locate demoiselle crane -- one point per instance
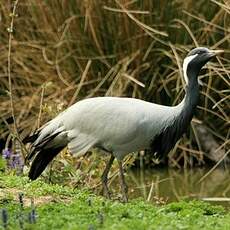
(119, 126)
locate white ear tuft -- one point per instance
(187, 60)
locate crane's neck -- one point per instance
(187, 106)
(191, 95)
(191, 91)
(171, 133)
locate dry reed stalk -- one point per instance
(10, 31)
(55, 39)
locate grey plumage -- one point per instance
(119, 125)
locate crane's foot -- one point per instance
(124, 193)
(104, 178)
(106, 191)
(124, 187)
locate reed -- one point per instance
(63, 51)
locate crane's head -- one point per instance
(196, 59)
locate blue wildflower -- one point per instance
(6, 153)
(4, 218)
(17, 163)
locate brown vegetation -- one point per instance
(62, 51)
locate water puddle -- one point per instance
(167, 185)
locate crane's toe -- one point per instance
(124, 193)
(106, 191)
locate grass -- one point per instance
(56, 53)
(59, 207)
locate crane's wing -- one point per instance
(115, 124)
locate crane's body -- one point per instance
(119, 125)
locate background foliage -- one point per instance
(63, 51)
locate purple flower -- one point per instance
(4, 218)
(17, 163)
(14, 160)
(32, 216)
(20, 196)
(6, 153)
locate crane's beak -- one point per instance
(211, 54)
(216, 52)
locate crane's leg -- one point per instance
(104, 177)
(124, 187)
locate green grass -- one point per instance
(64, 51)
(64, 208)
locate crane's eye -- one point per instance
(200, 52)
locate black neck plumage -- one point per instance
(165, 141)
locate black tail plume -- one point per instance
(38, 147)
(42, 159)
(31, 138)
